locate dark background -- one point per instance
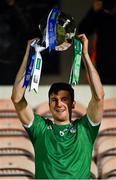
(19, 20)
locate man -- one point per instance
(63, 149)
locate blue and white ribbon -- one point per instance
(34, 64)
(36, 73)
(29, 67)
(51, 28)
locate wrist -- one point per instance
(85, 53)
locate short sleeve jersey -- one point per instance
(62, 151)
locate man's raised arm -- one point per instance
(95, 107)
(24, 111)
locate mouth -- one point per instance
(59, 110)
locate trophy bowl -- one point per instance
(65, 30)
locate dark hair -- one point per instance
(55, 87)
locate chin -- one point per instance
(61, 118)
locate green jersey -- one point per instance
(62, 151)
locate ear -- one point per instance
(73, 104)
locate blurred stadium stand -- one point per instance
(16, 151)
(17, 154)
(19, 20)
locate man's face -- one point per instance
(61, 105)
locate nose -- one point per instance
(59, 103)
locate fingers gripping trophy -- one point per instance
(58, 33)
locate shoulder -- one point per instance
(86, 126)
(85, 119)
(38, 121)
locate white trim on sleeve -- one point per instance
(91, 122)
(28, 125)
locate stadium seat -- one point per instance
(16, 145)
(94, 170)
(16, 166)
(109, 167)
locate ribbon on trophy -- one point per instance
(36, 72)
(51, 26)
(75, 70)
(29, 67)
(34, 64)
(58, 33)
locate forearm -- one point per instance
(95, 106)
(18, 89)
(23, 109)
(93, 78)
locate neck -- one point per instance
(61, 122)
